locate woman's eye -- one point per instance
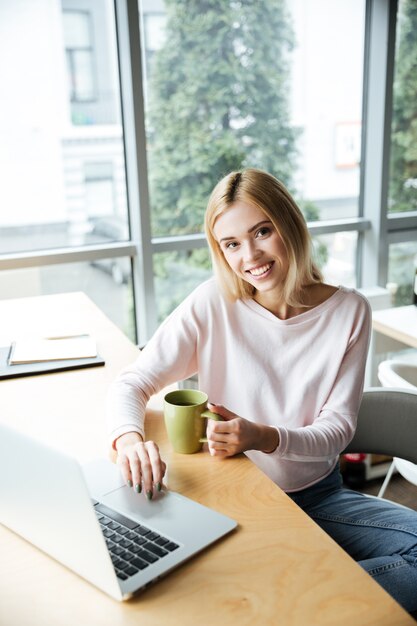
(263, 231)
(231, 245)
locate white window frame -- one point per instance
(376, 230)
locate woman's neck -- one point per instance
(312, 296)
(277, 306)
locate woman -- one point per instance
(282, 356)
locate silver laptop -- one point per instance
(89, 520)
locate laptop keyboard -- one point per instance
(132, 546)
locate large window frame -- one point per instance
(375, 227)
(373, 253)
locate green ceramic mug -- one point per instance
(185, 411)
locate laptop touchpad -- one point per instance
(132, 504)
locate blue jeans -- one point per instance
(379, 535)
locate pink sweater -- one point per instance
(303, 375)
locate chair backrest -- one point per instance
(395, 373)
(387, 423)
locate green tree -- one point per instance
(403, 166)
(218, 101)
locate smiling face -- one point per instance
(259, 241)
(252, 248)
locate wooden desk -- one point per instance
(277, 568)
(399, 323)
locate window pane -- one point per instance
(83, 81)
(336, 257)
(402, 193)
(275, 85)
(401, 271)
(76, 25)
(107, 282)
(176, 275)
(48, 144)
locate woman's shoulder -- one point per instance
(204, 297)
(194, 309)
(207, 290)
(355, 296)
(330, 297)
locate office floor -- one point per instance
(399, 490)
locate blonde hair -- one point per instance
(265, 192)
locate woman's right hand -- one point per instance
(140, 463)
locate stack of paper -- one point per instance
(52, 349)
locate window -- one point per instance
(176, 277)
(402, 187)
(109, 288)
(273, 85)
(336, 255)
(116, 208)
(403, 164)
(80, 55)
(401, 271)
(99, 185)
(63, 183)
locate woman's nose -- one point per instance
(251, 252)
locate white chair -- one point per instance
(400, 375)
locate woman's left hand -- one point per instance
(236, 434)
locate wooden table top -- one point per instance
(399, 323)
(278, 567)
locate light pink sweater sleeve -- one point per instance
(335, 424)
(170, 356)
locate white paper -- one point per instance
(52, 349)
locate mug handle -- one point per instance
(213, 416)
